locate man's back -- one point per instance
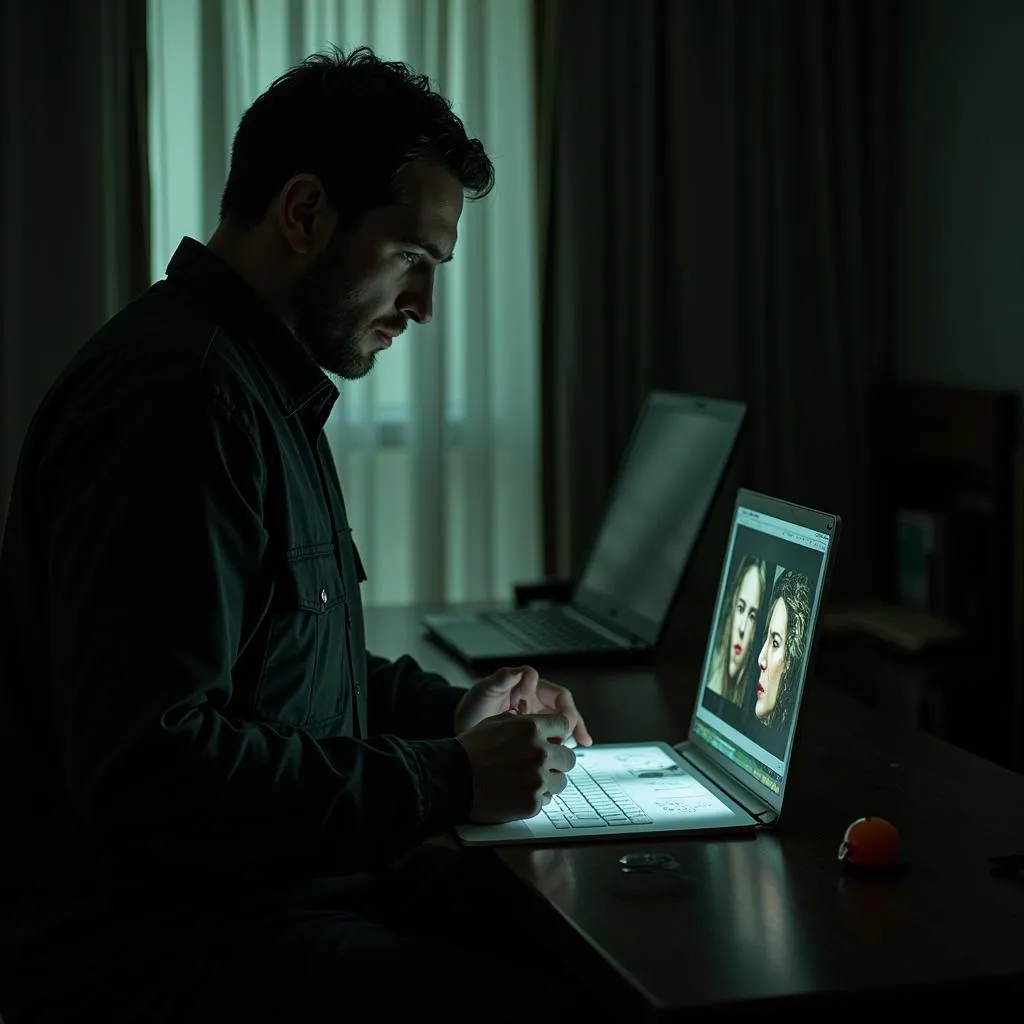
(182, 592)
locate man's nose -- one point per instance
(417, 304)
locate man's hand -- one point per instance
(523, 691)
(519, 762)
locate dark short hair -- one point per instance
(353, 121)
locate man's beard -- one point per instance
(331, 336)
(329, 319)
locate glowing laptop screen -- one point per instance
(756, 660)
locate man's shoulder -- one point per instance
(164, 346)
(166, 333)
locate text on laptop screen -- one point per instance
(756, 660)
(661, 499)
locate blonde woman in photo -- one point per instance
(736, 629)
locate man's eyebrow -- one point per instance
(433, 251)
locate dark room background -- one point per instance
(799, 204)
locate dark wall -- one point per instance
(960, 289)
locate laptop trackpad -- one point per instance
(473, 636)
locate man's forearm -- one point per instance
(211, 794)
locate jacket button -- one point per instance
(323, 596)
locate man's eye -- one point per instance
(411, 258)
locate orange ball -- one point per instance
(870, 843)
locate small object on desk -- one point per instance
(871, 846)
(648, 861)
(650, 875)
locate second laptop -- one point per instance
(672, 470)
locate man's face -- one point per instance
(375, 277)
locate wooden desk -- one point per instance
(771, 922)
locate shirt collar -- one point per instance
(299, 384)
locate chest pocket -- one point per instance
(304, 679)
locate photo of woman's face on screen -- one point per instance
(737, 628)
(782, 652)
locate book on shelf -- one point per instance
(921, 562)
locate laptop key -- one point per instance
(585, 816)
(639, 819)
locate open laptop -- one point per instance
(669, 477)
(730, 773)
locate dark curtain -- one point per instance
(716, 196)
(73, 187)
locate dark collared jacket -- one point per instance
(185, 694)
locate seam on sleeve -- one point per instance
(231, 412)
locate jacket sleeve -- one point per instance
(405, 700)
(156, 550)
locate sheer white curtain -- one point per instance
(437, 448)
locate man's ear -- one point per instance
(305, 218)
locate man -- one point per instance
(214, 799)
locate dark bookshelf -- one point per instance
(950, 454)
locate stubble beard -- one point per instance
(332, 329)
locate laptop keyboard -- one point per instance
(548, 629)
(593, 800)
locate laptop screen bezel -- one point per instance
(601, 607)
(797, 515)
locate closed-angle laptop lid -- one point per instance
(774, 579)
(670, 474)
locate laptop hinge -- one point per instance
(757, 808)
